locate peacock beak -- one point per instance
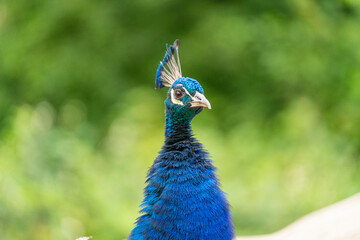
(199, 100)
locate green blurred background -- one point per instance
(81, 122)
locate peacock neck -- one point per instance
(183, 191)
(177, 125)
(182, 197)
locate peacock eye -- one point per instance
(178, 93)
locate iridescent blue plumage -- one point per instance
(182, 197)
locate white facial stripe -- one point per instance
(187, 93)
(174, 100)
(179, 102)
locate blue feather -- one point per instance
(158, 83)
(183, 199)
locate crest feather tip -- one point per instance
(176, 43)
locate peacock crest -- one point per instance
(169, 69)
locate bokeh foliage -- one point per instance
(81, 121)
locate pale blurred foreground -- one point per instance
(340, 221)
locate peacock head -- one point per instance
(186, 96)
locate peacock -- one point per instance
(183, 199)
